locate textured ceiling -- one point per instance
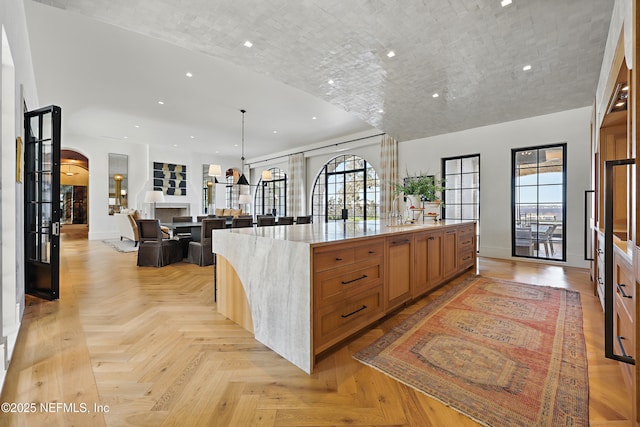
(470, 52)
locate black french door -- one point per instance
(42, 202)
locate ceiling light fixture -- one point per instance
(330, 82)
(243, 179)
(161, 102)
(381, 111)
(526, 68)
(189, 74)
(435, 95)
(275, 131)
(506, 2)
(625, 88)
(248, 44)
(137, 126)
(314, 118)
(391, 54)
(69, 173)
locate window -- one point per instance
(232, 190)
(271, 196)
(539, 202)
(462, 187)
(346, 182)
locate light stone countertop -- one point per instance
(315, 234)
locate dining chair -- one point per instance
(242, 222)
(524, 241)
(182, 231)
(544, 239)
(200, 251)
(154, 250)
(303, 219)
(285, 220)
(265, 220)
(201, 217)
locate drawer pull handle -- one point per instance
(344, 316)
(621, 290)
(432, 238)
(466, 258)
(451, 232)
(401, 242)
(466, 242)
(364, 276)
(372, 252)
(338, 259)
(624, 353)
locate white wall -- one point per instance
(141, 158)
(494, 144)
(12, 19)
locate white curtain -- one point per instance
(389, 173)
(296, 194)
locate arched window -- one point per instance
(271, 196)
(346, 182)
(232, 192)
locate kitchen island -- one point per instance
(302, 289)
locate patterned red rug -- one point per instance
(499, 352)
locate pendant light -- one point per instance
(243, 179)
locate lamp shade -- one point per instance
(153, 196)
(266, 175)
(215, 170)
(244, 199)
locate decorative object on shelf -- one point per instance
(243, 179)
(170, 178)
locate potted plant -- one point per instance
(425, 187)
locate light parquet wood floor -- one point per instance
(148, 345)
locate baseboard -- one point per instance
(6, 352)
(103, 235)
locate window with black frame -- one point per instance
(539, 202)
(271, 196)
(346, 184)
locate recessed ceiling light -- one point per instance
(235, 145)
(435, 95)
(381, 111)
(505, 3)
(175, 145)
(161, 102)
(192, 137)
(391, 54)
(526, 68)
(137, 126)
(125, 137)
(620, 104)
(189, 75)
(314, 118)
(625, 88)
(248, 44)
(275, 131)
(330, 82)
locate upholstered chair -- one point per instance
(200, 251)
(155, 251)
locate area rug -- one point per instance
(502, 353)
(124, 245)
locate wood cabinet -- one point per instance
(428, 261)
(348, 292)
(624, 293)
(357, 282)
(399, 270)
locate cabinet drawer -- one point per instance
(366, 252)
(625, 331)
(332, 258)
(333, 285)
(466, 257)
(624, 285)
(349, 316)
(465, 231)
(465, 242)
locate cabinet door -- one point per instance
(428, 261)
(399, 271)
(450, 253)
